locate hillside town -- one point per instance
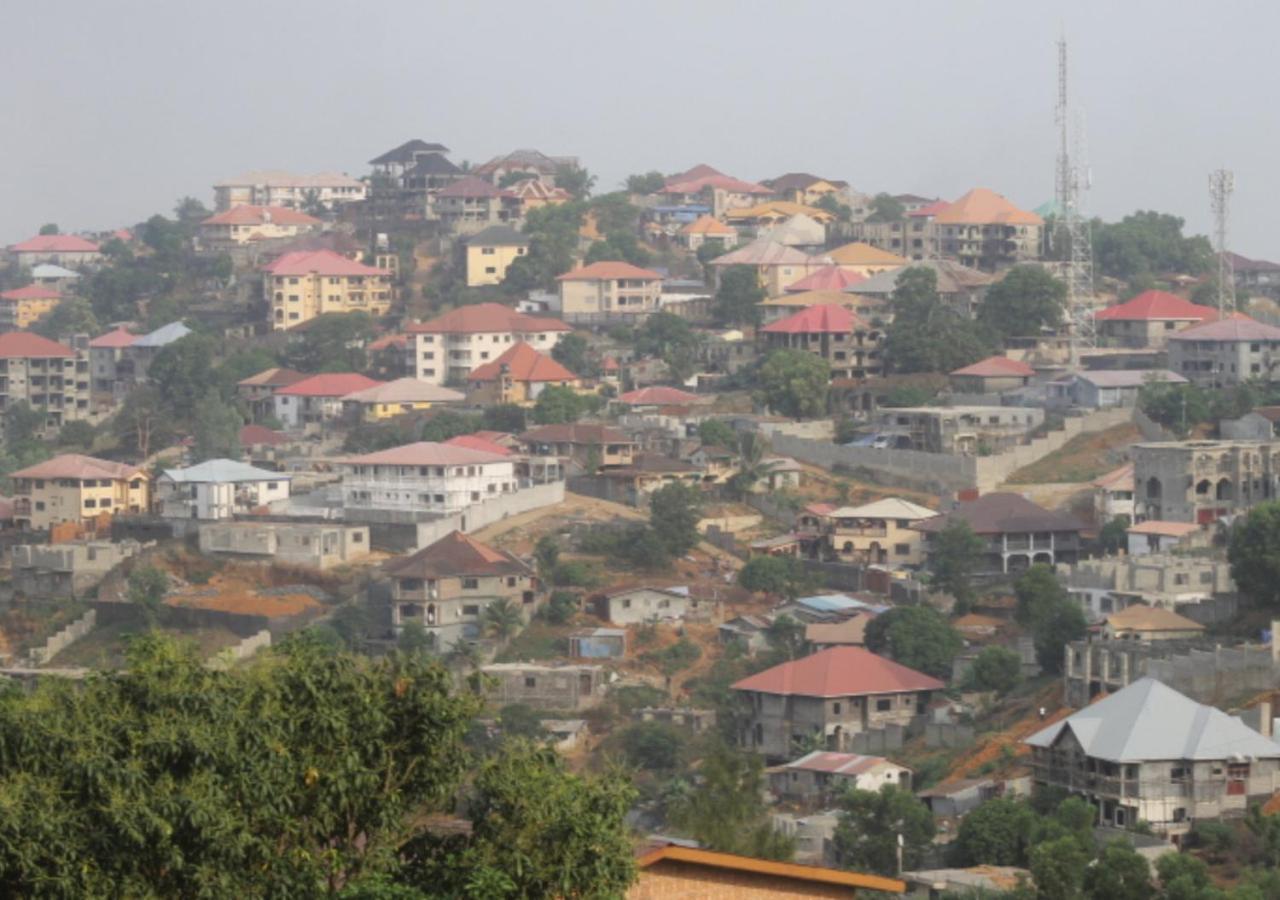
(839, 539)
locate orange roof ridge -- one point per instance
(523, 363)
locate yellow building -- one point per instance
(801, 187)
(75, 488)
(866, 260)
(775, 212)
(517, 376)
(491, 251)
(395, 398)
(878, 533)
(777, 265)
(300, 286)
(605, 291)
(23, 307)
(245, 223)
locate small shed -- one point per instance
(598, 643)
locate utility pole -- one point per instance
(1071, 229)
(1222, 184)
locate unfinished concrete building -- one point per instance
(317, 545)
(545, 686)
(1182, 584)
(961, 430)
(1202, 481)
(1149, 754)
(63, 571)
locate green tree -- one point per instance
(953, 558)
(147, 588)
(1254, 554)
(553, 243)
(829, 203)
(557, 405)
(520, 721)
(738, 297)
(501, 619)
(333, 342)
(415, 639)
(1148, 243)
(781, 576)
(752, 465)
(574, 353)
(886, 208)
(919, 637)
(1037, 590)
(671, 339)
(927, 335)
(620, 245)
(576, 180)
(648, 183)
(504, 417)
(786, 637)
(1120, 873)
(997, 669)
(560, 607)
(181, 372)
(72, 316)
(1058, 867)
(215, 430)
(1185, 877)
(49, 228)
(717, 433)
(997, 833)
(653, 746)
(674, 511)
(1052, 616)
(795, 383)
(1026, 300)
(725, 811)
(1114, 536)
(78, 433)
(142, 424)
(1178, 407)
(546, 553)
(870, 823)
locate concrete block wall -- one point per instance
(243, 650)
(63, 639)
(991, 471)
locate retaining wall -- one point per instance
(38, 656)
(243, 650)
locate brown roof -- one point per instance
(246, 214)
(76, 466)
(996, 367)
(745, 866)
(983, 206)
(523, 363)
(1151, 618)
(1165, 529)
(273, 378)
(456, 554)
(610, 270)
(839, 672)
(851, 631)
(1002, 512)
(652, 463)
(425, 453)
(577, 433)
(25, 345)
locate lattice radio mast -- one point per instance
(1222, 183)
(1072, 229)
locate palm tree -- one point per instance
(751, 463)
(464, 655)
(501, 619)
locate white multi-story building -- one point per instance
(276, 188)
(217, 489)
(448, 348)
(426, 477)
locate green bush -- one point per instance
(680, 655)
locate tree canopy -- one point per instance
(795, 383)
(919, 637)
(738, 297)
(1254, 554)
(674, 511)
(1052, 616)
(927, 335)
(866, 837)
(1147, 243)
(671, 339)
(953, 558)
(1026, 300)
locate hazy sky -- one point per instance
(112, 110)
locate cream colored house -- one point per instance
(450, 347)
(49, 377)
(302, 285)
(395, 398)
(778, 265)
(865, 260)
(491, 251)
(878, 533)
(22, 307)
(75, 488)
(242, 224)
(272, 187)
(606, 291)
(1150, 623)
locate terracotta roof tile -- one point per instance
(246, 214)
(708, 225)
(260, 435)
(1228, 330)
(276, 377)
(610, 270)
(982, 206)
(995, 367)
(1151, 618)
(319, 262)
(455, 555)
(56, 243)
(659, 395)
(860, 254)
(828, 278)
(839, 672)
(487, 318)
(25, 345)
(425, 453)
(77, 466)
(120, 337)
(1156, 305)
(478, 442)
(333, 384)
(825, 319)
(523, 364)
(32, 292)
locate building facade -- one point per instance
(609, 291)
(76, 488)
(425, 478)
(217, 489)
(51, 378)
(491, 252)
(299, 286)
(450, 347)
(1202, 481)
(275, 188)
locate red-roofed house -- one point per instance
(992, 375)
(829, 696)
(425, 477)
(1149, 319)
(302, 285)
(1225, 353)
(50, 378)
(106, 353)
(479, 441)
(660, 395)
(703, 185)
(605, 291)
(245, 223)
(65, 250)
(451, 346)
(984, 230)
(317, 398)
(517, 376)
(472, 204)
(23, 307)
(706, 230)
(259, 391)
(850, 346)
(827, 278)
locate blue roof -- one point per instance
(163, 336)
(222, 471)
(832, 602)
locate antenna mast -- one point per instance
(1072, 229)
(1222, 184)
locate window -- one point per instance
(104, 503)
(470, 584)
(835, 708)
(530, 681)
(902, 549)
(90, 503)
(490, 270)
(487, 251)
(511, 581)
(884, 705)
(471, 610)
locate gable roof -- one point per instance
(162, 336)
(407, 152)
(470, 187)
(245, 214)
(995, 367)
(1156, 306)
(659, 395)
(484, 318)
(858, 253)
(839, 672)
(115, 339)
(1151, 618)
(49, 270)
(689, 856)
(318, 262)
(523, 363)
(431, 164)
(701, 177)
(32, 292)
(774, 208)
(1228, 330)
(425, 453)
(56, 243)
(78, 466)
(1148, 720)
(951, 277)
(800, 181)
(405, 390)
(1118, 479)
(1121, 378)
(835, 763)
(1002, 512)
(983, 206)
(827, 278)
(329, 384)
(478, 441)
(454, 555)
(526, 158)
(708, 225)
(765, 252)
(852, 631)
(260, 435)
(275, 377)
(576, 433)
(609, 270)
(1163, 528)
(498, 236)
(25, 345)
(822, 319)
(221, 471)
(888, 508)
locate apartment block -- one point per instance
(302, 285)
(450, 347)
(1202, 481)
(76, 488)
(49, 377)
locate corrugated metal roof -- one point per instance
(221, 471)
